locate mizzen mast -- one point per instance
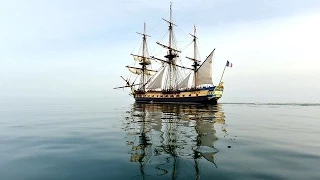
(194, 59)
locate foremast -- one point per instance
(144, 61)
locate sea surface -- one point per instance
(109, 138)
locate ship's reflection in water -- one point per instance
(172, 140)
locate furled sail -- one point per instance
(142, 59)
(157, 82)
(204, 72)
(139, 71)
(185, 82)
(149, 72)
(134, 70)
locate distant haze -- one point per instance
(79, 48)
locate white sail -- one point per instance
(141, 59)
(185, 82)
(204, 72)
(157, 82)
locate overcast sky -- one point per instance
(78, 48)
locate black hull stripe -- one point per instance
(202, 99)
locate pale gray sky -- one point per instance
(79, 48)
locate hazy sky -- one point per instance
(78, 48)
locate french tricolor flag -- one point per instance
(229, 64)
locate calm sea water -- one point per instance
(102, 138)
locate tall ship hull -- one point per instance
(173, 81)
(204, 96)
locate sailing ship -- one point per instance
(167, 85)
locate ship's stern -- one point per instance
(215, 93)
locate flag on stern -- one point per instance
(229, 64)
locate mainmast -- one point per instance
(171, 81)
(171, 54)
